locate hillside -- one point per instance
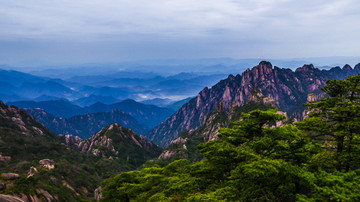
(36, 164)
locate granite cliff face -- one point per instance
(193, 113)
(185, 146)
(288, 88)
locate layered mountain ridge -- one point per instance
(288, 88)
(148, 115)
(88, 124)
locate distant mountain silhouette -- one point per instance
(88, 124)
(148, 115)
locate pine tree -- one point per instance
(336, 121)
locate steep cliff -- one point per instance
(185, 146)
(193, 113)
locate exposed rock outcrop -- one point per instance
(310, 98)
(73, 141)
(258, 97)
(98, 193)
(32, 171)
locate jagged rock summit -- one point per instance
(117, 142)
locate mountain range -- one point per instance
(86, 125)
(55, 150)
(287, 87)
(147, 115)
(85, 90)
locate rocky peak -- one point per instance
(357, 67)
(307, 68)
(347, 68)
(265, 64)
(116, 141)
(259, 72)
(231, 77)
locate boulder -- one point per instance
(5, 159)
(47, 163)
(10, 198)
(10, 176)
(46, 194)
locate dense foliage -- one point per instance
(81, 172)
(316, 160)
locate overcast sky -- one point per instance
(79, 31)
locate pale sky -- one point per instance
(80, 31)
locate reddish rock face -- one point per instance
(288, 88)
